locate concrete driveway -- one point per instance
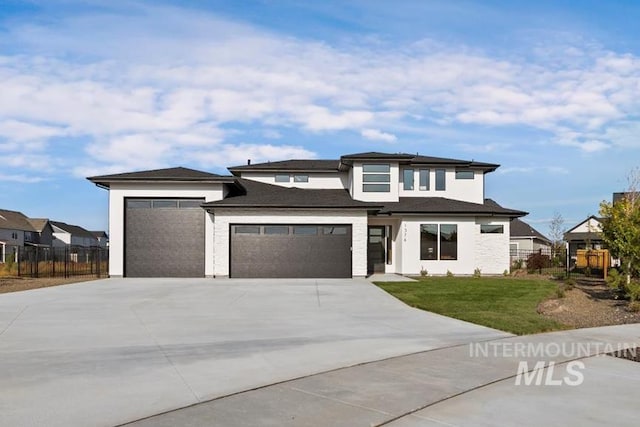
(112, 351)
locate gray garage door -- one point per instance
(284, 250)
(164, 238)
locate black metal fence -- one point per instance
(540, 261)
(34, 261)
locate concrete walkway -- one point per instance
(457, 386)
(112, 351)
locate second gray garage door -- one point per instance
(290, 251)
(164, 238)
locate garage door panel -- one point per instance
(164, 242)
(290, 255)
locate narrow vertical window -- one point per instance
(407, 178)
(448, 242)
(441, 179)
(424, 180)
(428, 241)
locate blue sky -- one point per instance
(548, 89)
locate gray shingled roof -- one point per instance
(441, 205)
(253, 194)
(38, 223)
(521, 229)
(418, 159)
(291, 165)
(169, 174)
(74, 230)
(14, 220)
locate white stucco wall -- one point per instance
(489, 252)
(337, 180)
(119, 191)
(225, 217)
(358, 194)
(468, 190)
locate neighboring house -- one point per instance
(67, 235)
(524, 237)
(15, 232)
(362, 213)
(102, 238)
(43, 232)
(586, 235)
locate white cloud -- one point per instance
(186, 89)
(533, 169)
(378, 135)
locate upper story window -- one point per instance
(441, 181)
(301, 178)
(376, 178)
(424, 180)
(464, 174)
(407, 179)
(283, 177)
(491, 229)
(28, 237)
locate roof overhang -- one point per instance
(106, 183)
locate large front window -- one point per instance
(376, 178)
(438, 242)
(424, 180)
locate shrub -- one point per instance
(477, 273)
(449, 273)
(423, 272)
(538, 261)
(634, 306)
(618, 281)
(517, 264)
(560, 292)
(505, 273)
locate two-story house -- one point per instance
(15, 231)
(362, 213)
(69, 235)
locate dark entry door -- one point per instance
(290, 251)
(376, 251)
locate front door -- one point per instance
(376, 251)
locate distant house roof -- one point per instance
(253, 194)
(100, 234)
(592, 217)
(14, 220)
(178, 174)
(74, 230)
(290, 166)
(38, 223)
(520, 229)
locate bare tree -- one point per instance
(557, 230)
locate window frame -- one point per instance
(441, 179)
(424, 172)
(433, 257)
(484, 227)
(442, 241)
(301, 178)
(465, 174)
(378, 170)
(408, 173)
(280, 177)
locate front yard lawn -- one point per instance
(502, 303)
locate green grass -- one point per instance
(502, 303)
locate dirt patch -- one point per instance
(15, 284)
(589, 306)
